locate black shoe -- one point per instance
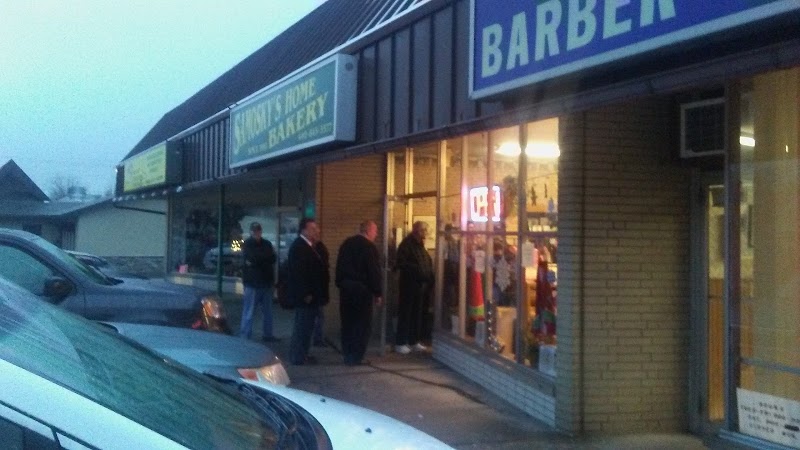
(350, 362)
(270, 339)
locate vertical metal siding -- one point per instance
(421, 75)
(366, 95)
(402, 83)
(465, 108)
(384, 90)
(205, 153)
(442, 67)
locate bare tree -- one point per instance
(62, 187)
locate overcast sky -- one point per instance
(82, 81)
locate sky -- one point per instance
(82, 81)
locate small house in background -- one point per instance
(132, 236)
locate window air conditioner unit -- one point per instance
(703, 128)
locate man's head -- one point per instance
(369, 229)
(309, 229)
(420, 231)
(448, 231)
(255, 230)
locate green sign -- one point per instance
(307, 110)
(146, 169)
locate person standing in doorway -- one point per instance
(358, 278)
(416, 280)
(258, 276)
(307, 289)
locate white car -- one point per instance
(66, 382)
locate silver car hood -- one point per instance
(202, 351)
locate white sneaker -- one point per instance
(402, 349)
(419, 347)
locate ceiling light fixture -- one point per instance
(542, 150)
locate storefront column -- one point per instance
(732, 298)
(220, 223)
(522, 229)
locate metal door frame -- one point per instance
(699, 312)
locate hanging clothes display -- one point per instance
(544, 326)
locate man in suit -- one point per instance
(358, 277)
(307, 288)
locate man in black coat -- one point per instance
(416, 280)
(307, 288)
(258, 275)
(358, 278)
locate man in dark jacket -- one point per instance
(258, 277)
(358, 278)
(307, 288)
(416, 279)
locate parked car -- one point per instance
(103, 265)
(68, 383)
(232, 259)
(47, 271)
(212, 354)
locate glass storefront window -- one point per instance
(540, 246)
(496, 243)
(194, 245)
(450, 196)
(475, 187)
(505, 175)
(769, 261)
(499, 274)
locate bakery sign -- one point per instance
(514, 43)
(314, 107)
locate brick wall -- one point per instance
(348, 192)
(623, 272)
(531, 393)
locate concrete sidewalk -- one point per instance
(421, 392)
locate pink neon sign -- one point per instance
(479, 204)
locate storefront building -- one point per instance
(613, 189)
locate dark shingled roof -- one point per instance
(333, 23)
(16, 184)
(30, 208)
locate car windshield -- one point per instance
(69, 260)
(190, 409)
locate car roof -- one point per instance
(88, 255)
(18, 233)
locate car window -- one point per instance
(186, 407)
(23, 269)
(68, 260)
(14, 436)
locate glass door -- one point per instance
(410, 197)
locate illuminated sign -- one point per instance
(479, 204)
(314, 107)
(514, 43)
(156, 166)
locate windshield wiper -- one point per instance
(278, 413)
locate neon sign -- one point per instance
(479, 204)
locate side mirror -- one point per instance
(57, 288)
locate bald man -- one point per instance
(358, 277)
